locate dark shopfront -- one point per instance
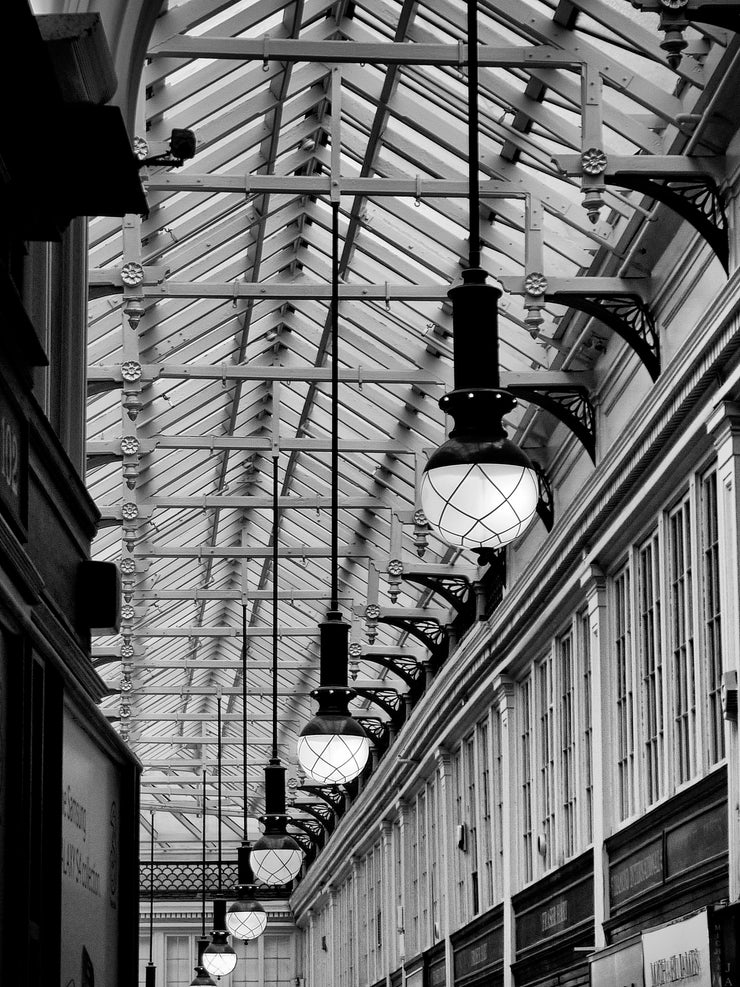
(668, 885)
(555, 927)
(671, 862)
(478, 951)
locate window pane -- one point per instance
(567, 744)
(586, 721)
(623, 668)
(682, 644)
(178, 970)
(547, 758)
(651, 668)
(525, 773)
(711, 616)
(279, 967)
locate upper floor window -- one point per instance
(667, 673)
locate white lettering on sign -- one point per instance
(556, 914)
(74, 811)
(79, 869)
(671, 969)
(677, 954)
(9, 455)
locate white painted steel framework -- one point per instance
(209, 324)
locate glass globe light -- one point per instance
(202, 978)
(246, 918)
(479, 489)
(219, 958)
(333, 748)
(480, 505)
(276, 858)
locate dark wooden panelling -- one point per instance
(478, 950)
(671, 861)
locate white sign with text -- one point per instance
(677, 955)
(90, 861)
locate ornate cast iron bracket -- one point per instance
(389, 701)
(628, 315)
(333, 795)
(375, 728)
(314, 830)
(696, 199)
(454, 589)
(545, 507)
(569, 404)
(427, 630)
(405, 667)
(688, 185)
(304, 841)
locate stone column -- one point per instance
(594, 585)
(388, 905)
(503, 698)
(445, 863)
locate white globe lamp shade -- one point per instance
(480, 504)
(333, 752)
(274, 860)
(219, 958)
(246, 919)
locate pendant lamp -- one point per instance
(276, 857)
(333, 747)
(150, 971)
(246, 918)
(479, 489)
(202, 977)
(219, 958)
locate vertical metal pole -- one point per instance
(473, 145)
(274, 606)
(244, 711)
(218, 748)
(151, 970)
(203, 863)
(335, 406)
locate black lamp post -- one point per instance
(219, 958)
(202, 978)
(333, 747)
(479, 489)
(246, 918)
(276, 857)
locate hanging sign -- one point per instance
(90, 859)
(13, 462)
(677, 955)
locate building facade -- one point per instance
(569, 782)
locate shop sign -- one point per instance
(677, 955)
(618, 966)
(482, 953)
(90, 859)
(13, 461)
(438, 973)
(636, 873)
(556, 915)
(696, 840)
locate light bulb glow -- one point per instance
(246, 922)
(480, 505)
(219, 959)
(275, 866)
(333, 758)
